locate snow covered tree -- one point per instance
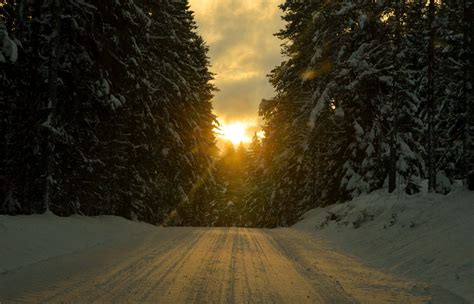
(114, 115)
(365, 89)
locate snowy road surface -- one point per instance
(207, 265)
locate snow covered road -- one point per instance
(208, 265)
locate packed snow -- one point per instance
(377, 248)
(192, 265)
(8, 48)
(427, 237)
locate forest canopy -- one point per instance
(105, 109)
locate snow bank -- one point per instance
(29, 239)
(8, 48)
(427, 237)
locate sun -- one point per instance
(235, 132)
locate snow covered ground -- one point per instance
(209, 265)
(25, 240)
(375, 249)
(427, 237)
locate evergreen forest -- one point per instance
(106, 109)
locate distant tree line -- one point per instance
(232, 168)
(105, 108)
(372, 95)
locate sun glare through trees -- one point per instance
(238, 132)
(235, 132)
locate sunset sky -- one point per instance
(243, 51)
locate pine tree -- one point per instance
(117, 117)
(364, 90)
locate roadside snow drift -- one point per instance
(427, 237)
(29, 239)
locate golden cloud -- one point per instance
(243, 50)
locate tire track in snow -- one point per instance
(208, 265)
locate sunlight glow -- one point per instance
(309, 75)
(235, 132)
(260, 134)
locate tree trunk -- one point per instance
(392, 171)
(21, 15)
(468, 111)
(430, 99)
(55, 6)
